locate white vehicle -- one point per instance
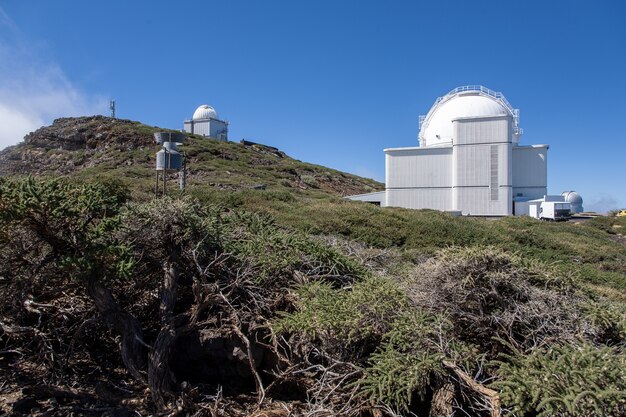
(554, 211)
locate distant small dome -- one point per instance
(574, 199)
(204, 112)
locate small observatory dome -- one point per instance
(575, 200)
(204, 112)
(468, 101)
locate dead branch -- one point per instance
(477, 387)
(237, 329)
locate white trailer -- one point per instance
(554, 211)
(550, 207)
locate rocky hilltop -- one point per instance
(53, 148)
(125, 149)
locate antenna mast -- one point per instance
(112, 108)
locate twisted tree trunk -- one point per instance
(122, 322)
(159, 375)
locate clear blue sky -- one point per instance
(330, 82)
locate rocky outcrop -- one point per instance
(97, 132)
(72, 143)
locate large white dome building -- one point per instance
(436, 128)
(205, 122)
(469, 159)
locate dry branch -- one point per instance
(477, 387)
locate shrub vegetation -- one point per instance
(229, 300)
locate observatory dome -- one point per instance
(574, 199)
(469, 101)
(204, 112)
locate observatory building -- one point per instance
(205, 122)
(469, 159)
(574, 199)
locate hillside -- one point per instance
(231, 300)
(125, 151)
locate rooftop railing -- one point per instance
(482, 89)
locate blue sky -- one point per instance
(329, 82)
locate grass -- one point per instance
(585, 250)
(438, 288)
(307, 197)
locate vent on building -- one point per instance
(494, 173)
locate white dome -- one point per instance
(469, 101)
(575, 200)
(205, 112)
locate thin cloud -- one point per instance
(6, 22)
(33, 91)
(602, 204)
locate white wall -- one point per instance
(479, 174)
(476, 130)
(211, 128)
(530, 171)
(420, 198)
(419, 178)
(414, 167)
(201, 127)
(482, 166)
(522, 208)
(216, 127)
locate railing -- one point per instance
(495, 94)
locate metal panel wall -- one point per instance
(472, 166)
(216, 127)
(482, 166)
(419, 178)
(532, 193)
(482, 130)
(420, 198)
(530, 171)
(477, 201)
(201, 127)
(412, 167)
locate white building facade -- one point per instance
(205, 122)
(469, 159)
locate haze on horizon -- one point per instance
(331, 83)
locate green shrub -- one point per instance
(344, 316)
(310, 180)
(276, 253)
(408, 360)
(565, 380)
(608, 319)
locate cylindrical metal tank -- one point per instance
(575, 200)
(169, 159)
